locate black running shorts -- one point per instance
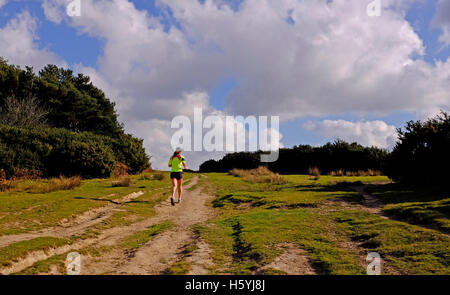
(176, 175)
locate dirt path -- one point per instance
(293, 261)
(160, 253)
(68, 228)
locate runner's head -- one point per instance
(176, 153)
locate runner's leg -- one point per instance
(180, 189)
(174, 187)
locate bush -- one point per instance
(120, 169)
(159, 176)
(124, 181)
(55, 152)
(327, 158)
(8, 185)
(422, 153)
(314, 173)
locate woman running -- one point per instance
(177, 163)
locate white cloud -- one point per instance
(442, 20)
(333, 59)
(18, 41)
(2, 3)
(367, 133)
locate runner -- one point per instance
(177, 162)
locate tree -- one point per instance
(23, 112)
(422, 152)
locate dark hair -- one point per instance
(176, 153)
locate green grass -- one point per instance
(411, 249)
(420, 205)
(138, 239)
(255, 218)
(12, 252)
(24, 211)
(179, 268)
(44, 266)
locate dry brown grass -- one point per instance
(55, 184)
(8, 185)
(259, 175)
(124, 181)
(314, 173)
(369, 172)
(152, 176)
(120, 170)
(159, 176)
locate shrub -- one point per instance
(8, 185)
(2, 175)
(120, 169)
(124, 181)
(26, 174)
(159, 176)
(54, 152)
(421, 154)
(145, 176)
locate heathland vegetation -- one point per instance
(420, 156)
(65, 185)
(55, 123)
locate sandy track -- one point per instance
(108, 237)
(68, 228)
(165, 249)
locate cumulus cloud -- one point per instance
(442, 20)
(367, 133)
(19, 45)
(2, 2)
(329, 58)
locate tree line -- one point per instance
(61, 124)
(421, 155)
(299, 159)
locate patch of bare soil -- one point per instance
(77, 225)
(371, 203)
(201, 259)
(166, 248)
(293, 261)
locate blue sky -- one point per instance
(78, 49)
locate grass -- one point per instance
(55, 184)
(12, 252)
(123, 181)
(369, 172)
(181, 267)
(138, 239)
(420, 205)
(256, 217)
(24, 211)
(411, 249)
(259, 175)
(45, 266)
